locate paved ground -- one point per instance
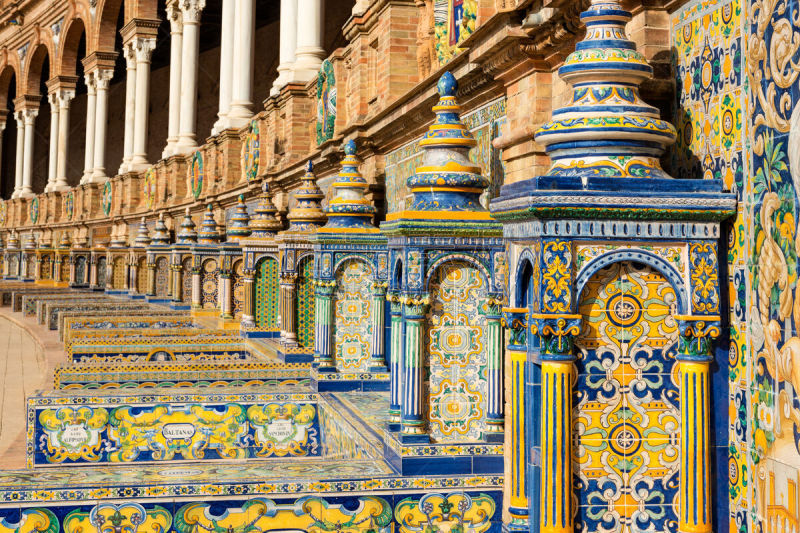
(28, 355)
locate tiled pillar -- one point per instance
(494, 373)
(248, 309)
(555, 334)
(57, 268)
(197, 297)
(414, 424)
(695, 357)
(72, 273)
(177, 282)
(396, 360)
(225, 295)
(323, 325)
(378, 363)
(515, 320)
(151, 278)
(288, 319)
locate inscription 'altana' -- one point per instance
(178, 431)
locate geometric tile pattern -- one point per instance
(457, 353)
(118, 277)
(186, 285)
(237, 288)
(208, 284)
(141, 276)
(353, 317)
(305, 303)
(626, 404)
(266, 300)
(162, 277)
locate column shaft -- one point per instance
(396, 361)
(197, 297)
(241, 107)
(27, 168)
(52, 162)
(378, 363)
(20, 156)
(413, 417)
(151, 279)
(175, 53)
(130, 106)
(556, 414)
(91, 108)
(226, 305)
(323, 333)
(191, 10)
(248, 309)
(288, 43)
(226, 64)
(494, 373)
(144, 48)
(309, 52)
(101, 121)
(64, 99)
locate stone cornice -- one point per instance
(139, 27)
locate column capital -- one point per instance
(697, 333)
(90, 80)
(103, 77)
(556, 334)
(65, 96)
(191, 10)
(325, 288)
(52, 99)
(515, 320)
(379, 289)
(143, 47)
(416, 306)
(129, 52)
(175, 16)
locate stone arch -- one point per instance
(105, 35)
(67, 57)
(9, 82)
(355, 257)
(525, 269)
(638, 256)
(32, 78)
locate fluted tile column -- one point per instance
(378, 362)
(102, 78)
(309, 52)
(191, 11)
(129, 50)
(144, 46)
(414, 422)
(65, 96)
(226, 64)
(52, 161)
(19, 117)
(555, 335)
(396, 361)
(175, 17)
(241, 107)
(197, 296)
(495, 412)
(323, 325)
(91, 108)
(288, 290)
(29, 117)
(695, 357)
(288, 43)
(248, 309)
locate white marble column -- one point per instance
(52, 161)
(29, 115)
(2, 129)
(91, 108)
(226, 64)
(103, 77)
(241, 105)
(130, 105)
(175, 52)
(309, 52)
(288, 43)
(191, 11)
(65, 96)
(20, 159)
(144, 49)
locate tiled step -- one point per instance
(264, 375)
(173, 427)
(89, 319)
(53, 310)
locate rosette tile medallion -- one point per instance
(349, 210)
(606, 130)
(447, 186)
(187, 233)
(239, 226)
(264, 224)
(307, 214)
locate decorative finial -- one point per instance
(606, 130)
(208, 234)
(160, 232)
(264, 223)
(348, 210)
(187, 234)
(447, 180)
(307, 213)
(65, 243)
(13, 240)
(142, 239)
(239, 226)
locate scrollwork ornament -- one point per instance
(697, 334)
(556, 334)
(515, 320)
